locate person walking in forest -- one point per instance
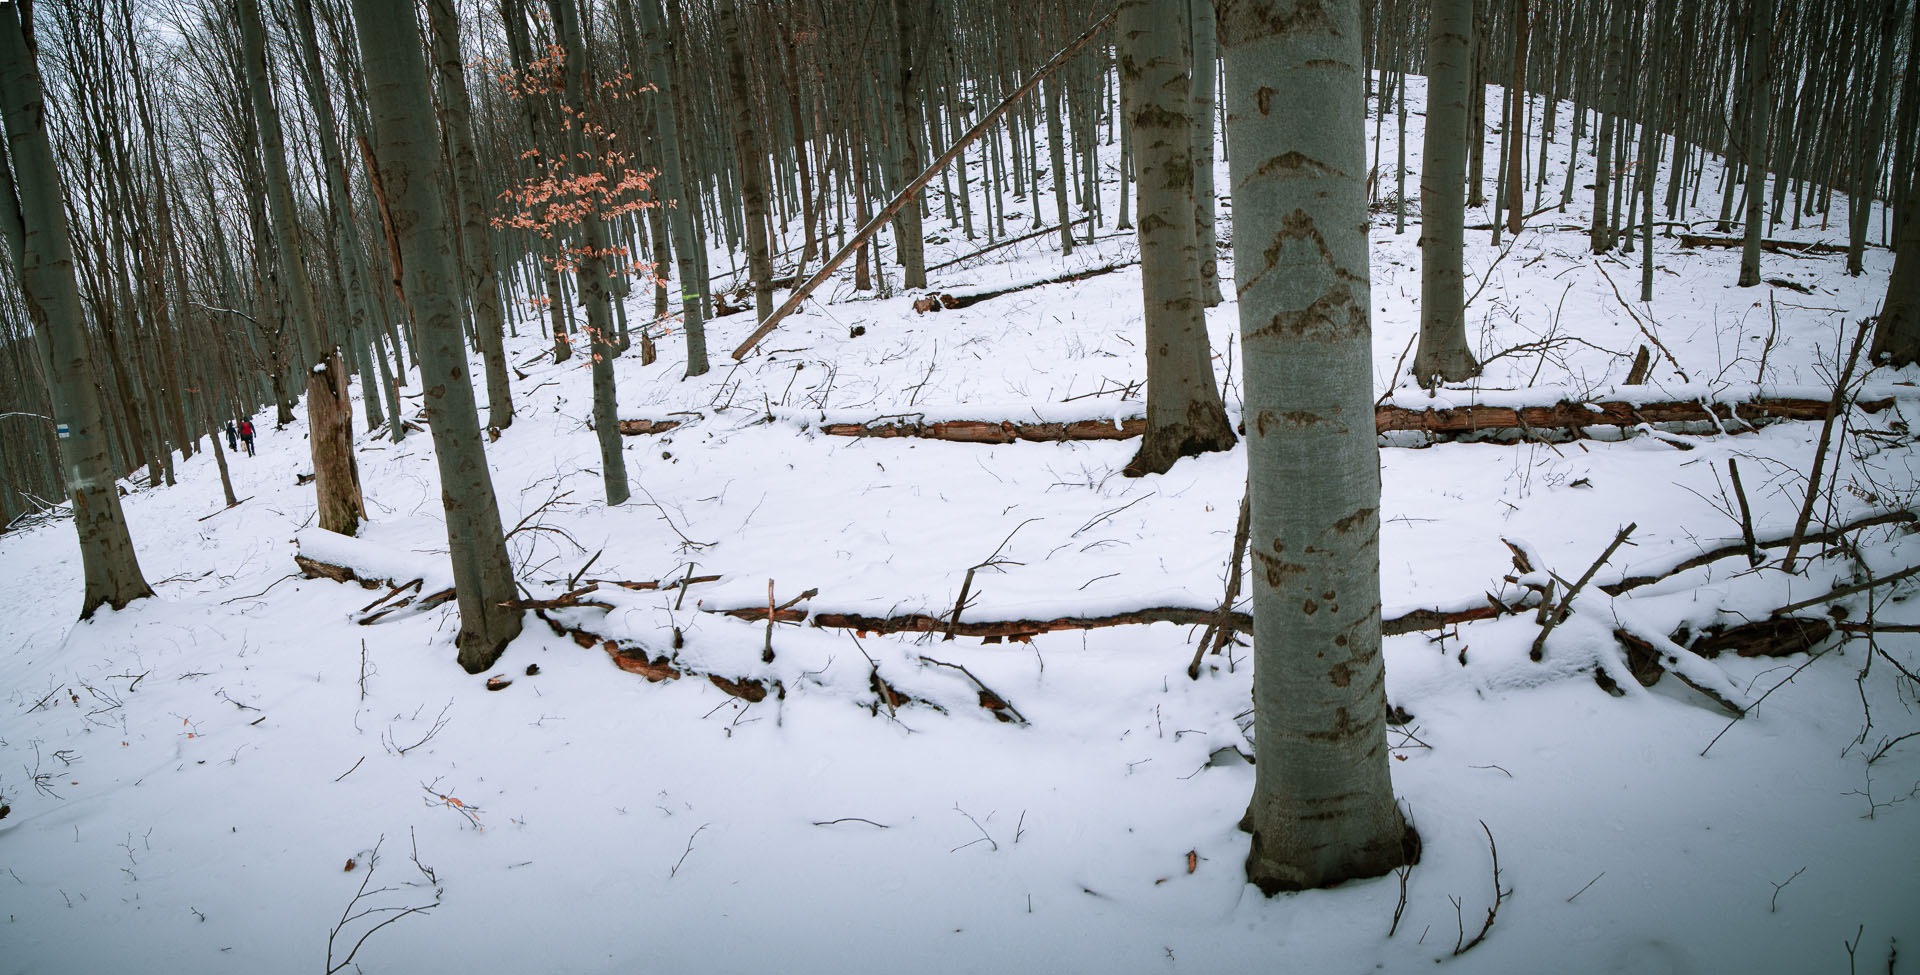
(246, 435)
(233, 442)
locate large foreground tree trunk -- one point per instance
(1185, 415)
(402, 108)
(37, 243)
(336, 478)
(1323, 809)
(1443, 354)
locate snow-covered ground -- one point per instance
(198, 783)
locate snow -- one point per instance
(210, 760)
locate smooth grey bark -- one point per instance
(403, 121)
(1206, 51)
(336, 476)
(1759, 96)
(1185, 415)
(752, 159)
(1443, 355)
(43, 257)
(673, 185)
(483, 287)
(1323, 809)
(591, 261)
(1896, 339)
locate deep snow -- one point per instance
(212, 761)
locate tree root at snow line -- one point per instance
(1453, 423)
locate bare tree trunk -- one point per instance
(1443, 354)
(673, 186)
(591, 263)
(752, 158)
(1323, 809)
(336, 477)
(483, 288)
(43, 256)
(1185, 415)
(398, 93)
(1759, 95)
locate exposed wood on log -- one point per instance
(1477, 419)
(1456, 421)
(635, 428)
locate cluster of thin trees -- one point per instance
(212, 206)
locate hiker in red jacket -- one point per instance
(246, 435)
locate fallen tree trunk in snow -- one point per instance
(1770, 245)
(1451, 421)
(938, 300)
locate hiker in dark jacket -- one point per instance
(233, 439)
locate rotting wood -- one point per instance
(1782, 637)
(636, 428)
(1454, 421)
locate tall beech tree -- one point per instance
(1185, 415)
(1323, 809)
(476, 251)
(400, 100)
(34, 221)
(1443, 354)
(336, 477)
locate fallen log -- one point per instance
(1453, 421)
(988, 431)
(1769, 244)
(938, 300)
(1024, 629)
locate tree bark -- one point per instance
(1185, 415)
(1443, 355)
(398, 93)
(591, 263)
(1759, 95)
(336, 479)
(752, 158)
(483, 287)
(1323, 809)
(43, 256)
(1896, 339)
(673, 189)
